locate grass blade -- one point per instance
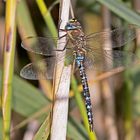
(80, 103)
(8, 66)
(122, 10)
(44, 131)
(47, 17)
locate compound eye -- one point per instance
(68, 26)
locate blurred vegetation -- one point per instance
(31, 100)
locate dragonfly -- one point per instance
(87, 51)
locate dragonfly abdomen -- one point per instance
(79, 61)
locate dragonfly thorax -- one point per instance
(75, 32)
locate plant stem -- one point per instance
(80, 103)
(47, 17)
(8, 66)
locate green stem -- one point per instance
(8, 66)
(81, 105)
(47, 17)
(128, 124)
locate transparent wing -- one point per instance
(118, 37)
(41, 45)
(44, 69)
(107, 60)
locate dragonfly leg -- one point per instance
(62, 30)
(64, 47)
(62, 35)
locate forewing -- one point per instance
(118, 37)
(41, 45)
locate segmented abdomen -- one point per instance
(79, 61)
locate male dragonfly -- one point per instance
(87, 51)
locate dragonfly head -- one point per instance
(73, 24)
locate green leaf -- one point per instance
(28, 100)
(120, 9)
(73, 126)
(44, 130)
(47, 17)
(24, 20)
